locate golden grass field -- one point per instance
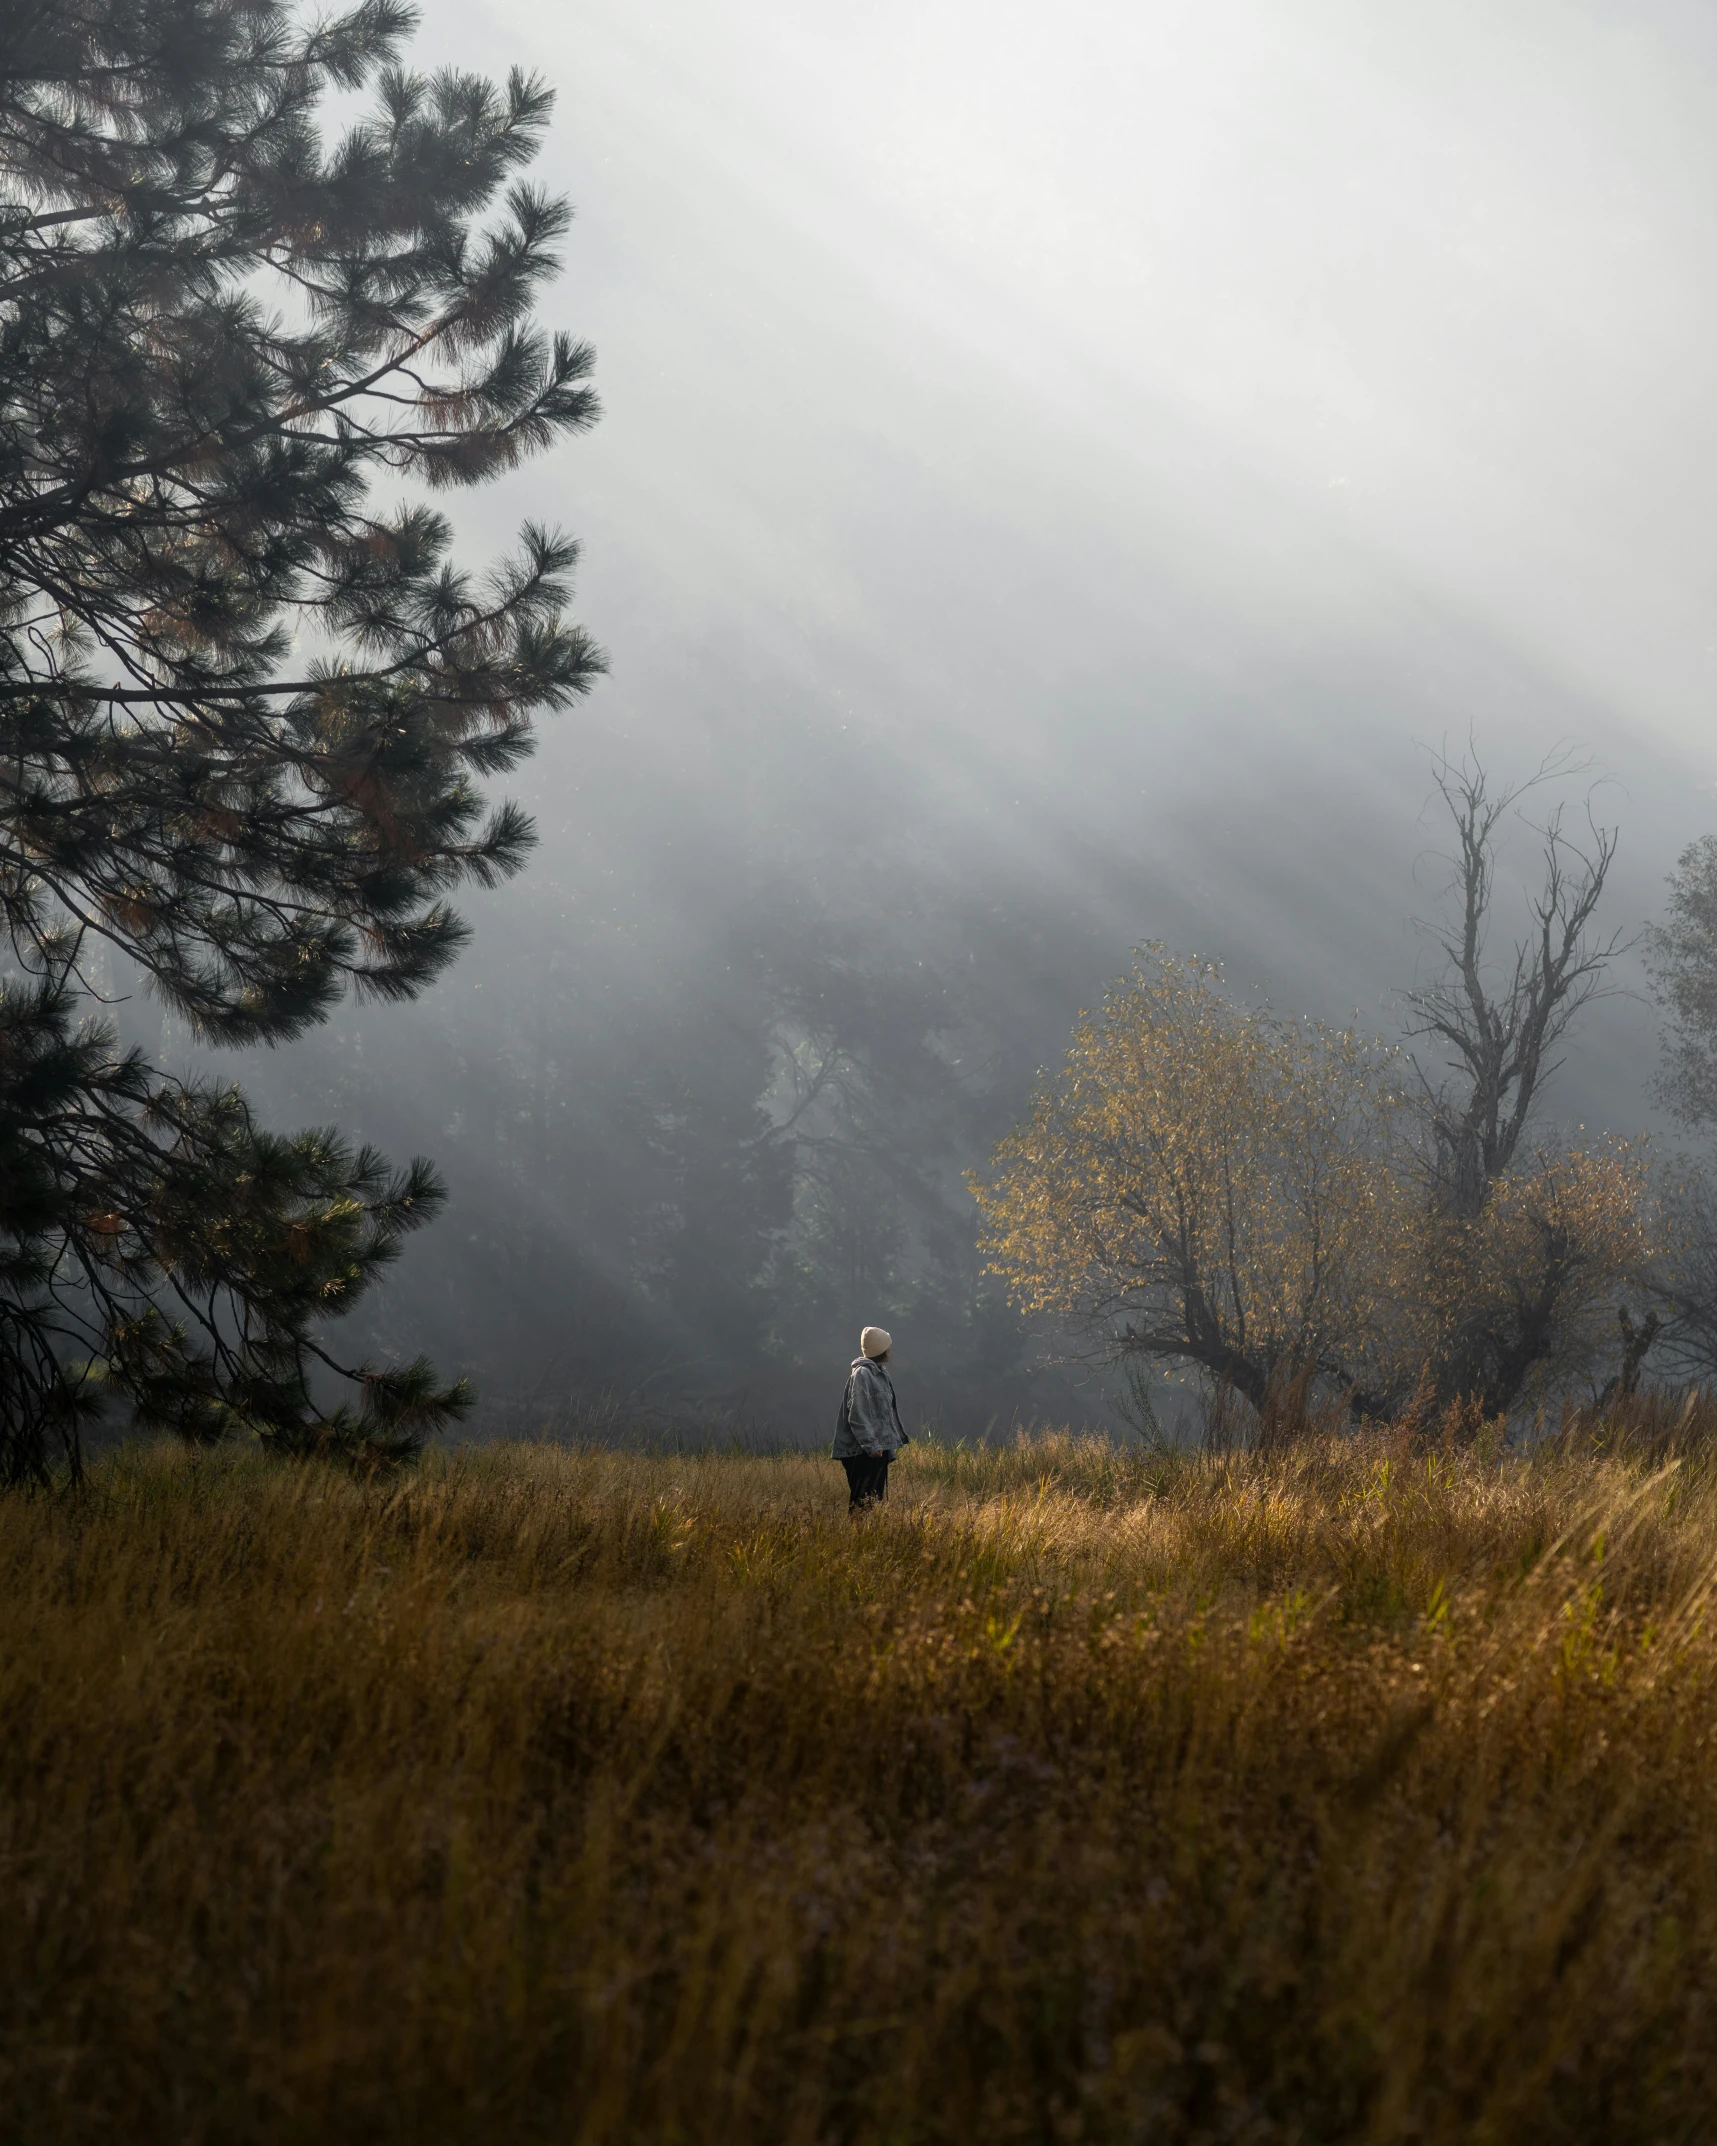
(1352, 1792)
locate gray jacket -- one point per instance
(870, 1415)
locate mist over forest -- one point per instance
(1059, 482)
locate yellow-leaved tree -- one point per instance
(1209, 1185)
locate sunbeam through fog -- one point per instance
(1060, 476)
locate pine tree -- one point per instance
(246, 693)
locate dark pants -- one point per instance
(867, 1478)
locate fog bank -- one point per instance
(1060, 476)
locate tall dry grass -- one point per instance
(1346, 1792)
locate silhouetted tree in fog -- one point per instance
(1527, 1241)
(1500, 1037)
(245, 703)
(1681, 955)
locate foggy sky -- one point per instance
(1089, 454)
(1142, 427)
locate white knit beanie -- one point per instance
(875, 1342)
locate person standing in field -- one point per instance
(870, 1432)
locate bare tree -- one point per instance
(1501, 1036)
(1529, 1246)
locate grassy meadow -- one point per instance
(1353, 1791)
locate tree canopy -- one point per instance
(1206, 1184)
(248, 696)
